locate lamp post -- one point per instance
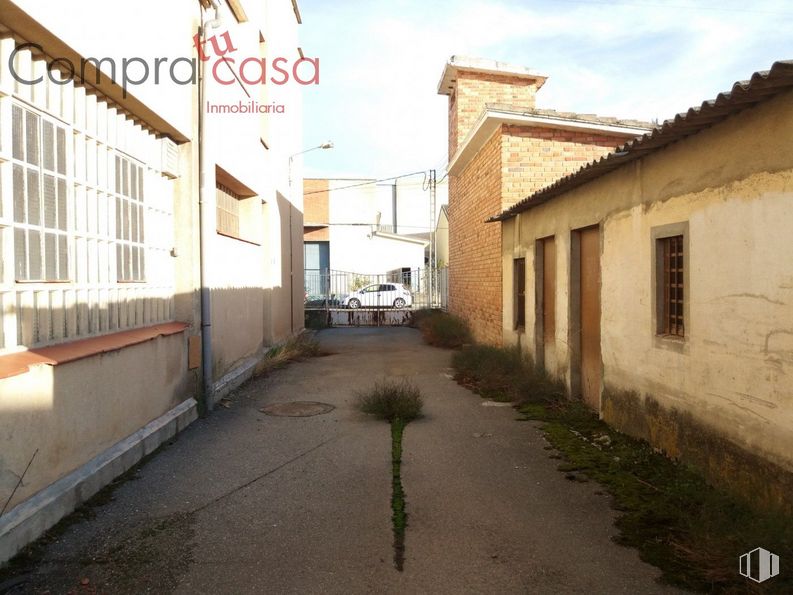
(326, 145)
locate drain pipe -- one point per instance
(205, 229)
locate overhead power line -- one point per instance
(367, 182)
(364, 224)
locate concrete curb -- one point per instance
(234, 379)
(27, 521)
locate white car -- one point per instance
(379, 295)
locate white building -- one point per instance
(360, 229)
(150, 231)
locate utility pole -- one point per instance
(431, 280)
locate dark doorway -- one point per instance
(589, 314)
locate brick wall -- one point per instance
(473, 90)
(533, 158)
(315, 209)
(475, 247)
(515, 162)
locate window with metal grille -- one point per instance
(672, 321)
(41, 243)
(519, 276)
(130, 228)
(228, 211)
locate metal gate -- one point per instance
(337, 298)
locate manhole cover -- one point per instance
(297, 409)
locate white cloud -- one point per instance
(382, 61)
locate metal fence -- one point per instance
(331, 289)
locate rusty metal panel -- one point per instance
(369, 317)
(549, 291)
(193, 352)
(590, 315)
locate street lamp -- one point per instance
(325, 145)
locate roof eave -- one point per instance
(456, 64)
(491, 119)
(394, 236)
(744, 94)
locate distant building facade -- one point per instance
(359, 227)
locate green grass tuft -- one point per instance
(297, 348)
(399, 517)
(504, 374)
(690, 530)
(398, 402)
(392, 400)
(442, 329)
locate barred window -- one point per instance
(672, 321)
(228, 211)
(41, 245)
(519, 277)
(130, 209)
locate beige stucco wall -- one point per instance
(237, 302)
(733, 186)
(442, 240)
(74, 411)
(739, 351)
(255, 302)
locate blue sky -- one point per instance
(381, 61)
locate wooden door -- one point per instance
(548, 294)
(589, 243)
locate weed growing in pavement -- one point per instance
(442, 329)
(691, 531)
(297, 348)
(504, 374)
(420, 315)
(391, 401)
(398, 402)
(399, 517)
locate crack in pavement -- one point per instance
(62, 560)
(265, 474)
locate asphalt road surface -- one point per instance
(244, 502)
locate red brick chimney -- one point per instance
(471, 83)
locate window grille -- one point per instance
(130, 221)
(520, 292)
(228, 211)
(672, 322)
(40, 197)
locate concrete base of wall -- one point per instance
(680, 436)
(27, 521)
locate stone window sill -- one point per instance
(14, 364)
